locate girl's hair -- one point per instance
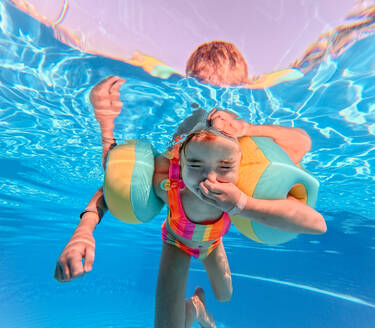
(218, 63)
(203, 135)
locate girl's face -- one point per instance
(217, 160)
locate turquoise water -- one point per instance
(51, 166)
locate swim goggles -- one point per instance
(219, 122)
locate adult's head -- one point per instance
(218, 63)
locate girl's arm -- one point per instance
(161, 173)
(287, 214)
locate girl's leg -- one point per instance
(171, 308)
(218, 271)
(196, 311)
(171, 288)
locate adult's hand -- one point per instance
(105, 98)
(69, 264)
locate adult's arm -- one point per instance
(96, 209)
(105, 99)
(294, 141)
(82, 243)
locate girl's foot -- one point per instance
(204, 318)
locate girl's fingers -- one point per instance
(203, 188)
(207, 199)
(212, 187)
(207, 194)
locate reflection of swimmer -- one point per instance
(205, 169)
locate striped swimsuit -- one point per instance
(178, 223)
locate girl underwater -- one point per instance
(204, 168)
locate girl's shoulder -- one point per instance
(161, 173)
(161, 164)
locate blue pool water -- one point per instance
(51, 166)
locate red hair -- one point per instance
(218, 63)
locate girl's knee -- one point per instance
(224, 295)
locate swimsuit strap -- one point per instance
(177, 219)
(174, 170)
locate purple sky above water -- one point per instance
(270, 33)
